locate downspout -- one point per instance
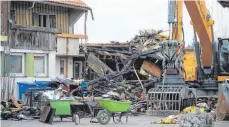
(85, 23)
(27, 13)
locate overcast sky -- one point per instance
(120, 20)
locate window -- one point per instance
(40, 65)
(77, 69)
(44, 20)
(39, 61)
(224, 57)
(17, 64)
(63, 66)
(13, 15)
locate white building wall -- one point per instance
(70, 67)
(61, 46)
(73, 46)
(52, 64)
(51, 69)
(57, 65)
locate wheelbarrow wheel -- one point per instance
(117, 118)
(103, 117)
(124, 118)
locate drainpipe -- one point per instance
(85, 22)
(27, 13)
(85, 26)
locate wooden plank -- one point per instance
(30, 16)
(17, 12)
(64, 20)
(23, 14)
(67, 23)
(77, 36)
(58, 18)
(19, 8)
(57, 21)
(40, 29)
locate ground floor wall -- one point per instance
(71, 67)
(31, 65)
(28, 66)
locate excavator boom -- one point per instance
(202, 24)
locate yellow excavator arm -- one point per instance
(177, 28)
(202, 23)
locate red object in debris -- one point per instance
(142, 96)
(65, 88)
(223, 98)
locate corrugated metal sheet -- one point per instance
(61, 46)
(73, 46)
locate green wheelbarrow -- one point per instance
(62, 107)
(115, 109)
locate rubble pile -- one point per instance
(124, 66)
(196, 120)
(193, 116)
(149, 39)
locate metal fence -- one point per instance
(7, 86)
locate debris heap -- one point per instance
(126, 65)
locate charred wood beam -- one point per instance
(117, 65)
(109, 76)
(35, 29)
(91, 49)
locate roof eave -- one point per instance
(224, 3)
(63, 5)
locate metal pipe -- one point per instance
(27, 12)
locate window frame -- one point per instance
(23, 64)
(65, 62)
(45, 74)
(48, 20)
(80, 68)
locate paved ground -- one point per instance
(133, 121)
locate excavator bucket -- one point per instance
(222, 108)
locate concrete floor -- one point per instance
(133, 121)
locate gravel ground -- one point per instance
(133, 121)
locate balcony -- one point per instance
(68, 44)
(33, 38)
